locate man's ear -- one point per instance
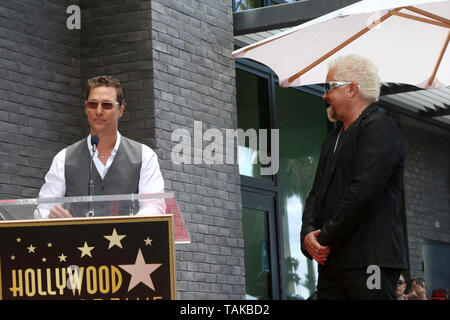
(122, 109)
(353, 89)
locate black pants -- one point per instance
(343, 284)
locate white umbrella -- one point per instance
(408, 40)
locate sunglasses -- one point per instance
(107, 105)
(400, 282)
(328, 86)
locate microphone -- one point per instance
(94, 142)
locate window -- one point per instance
(253, 114)
(273, 205)
(436, 256)
(256, 238)
(242, 5)
(260, 246)
(303, 127)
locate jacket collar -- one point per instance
(343, 137)
(368, 110)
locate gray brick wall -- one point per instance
(116, 40)
(173, 59)
(194, 79)
(39, 91)
(427, 194)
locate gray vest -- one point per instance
(122, 176)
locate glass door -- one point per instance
(260, 246)
(436, 258)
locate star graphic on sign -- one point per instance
(62, 257)
(85, 250)
(13, 257)
(140, 272)
(114, 239)
(148, 241)
(31, 249)
(44, 259)
(49, 244)
(18, 240)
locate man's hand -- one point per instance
(318, 252)
(59, 212)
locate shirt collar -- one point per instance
(116, 146)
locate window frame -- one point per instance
(271, 187)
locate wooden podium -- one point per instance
(100, 257)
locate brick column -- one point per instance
(194, 80)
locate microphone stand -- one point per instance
(94, 142)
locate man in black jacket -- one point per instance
(352, 221)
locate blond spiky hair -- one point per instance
(361, 70)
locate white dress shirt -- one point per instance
(150, 181)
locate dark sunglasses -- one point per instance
(328, 86)
(400, 282)
(107, 105)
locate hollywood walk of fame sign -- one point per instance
(90, 258)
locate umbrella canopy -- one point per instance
(408, 40)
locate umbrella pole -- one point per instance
(428, 14)
(441, 55)
(420, 19)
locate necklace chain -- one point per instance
(102, 156)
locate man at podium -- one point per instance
(105, 162)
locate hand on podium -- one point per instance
(59, 212)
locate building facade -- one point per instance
(174, 60)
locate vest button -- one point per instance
(102, 188)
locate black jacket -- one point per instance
(356, 199)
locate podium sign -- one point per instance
(88, 258)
